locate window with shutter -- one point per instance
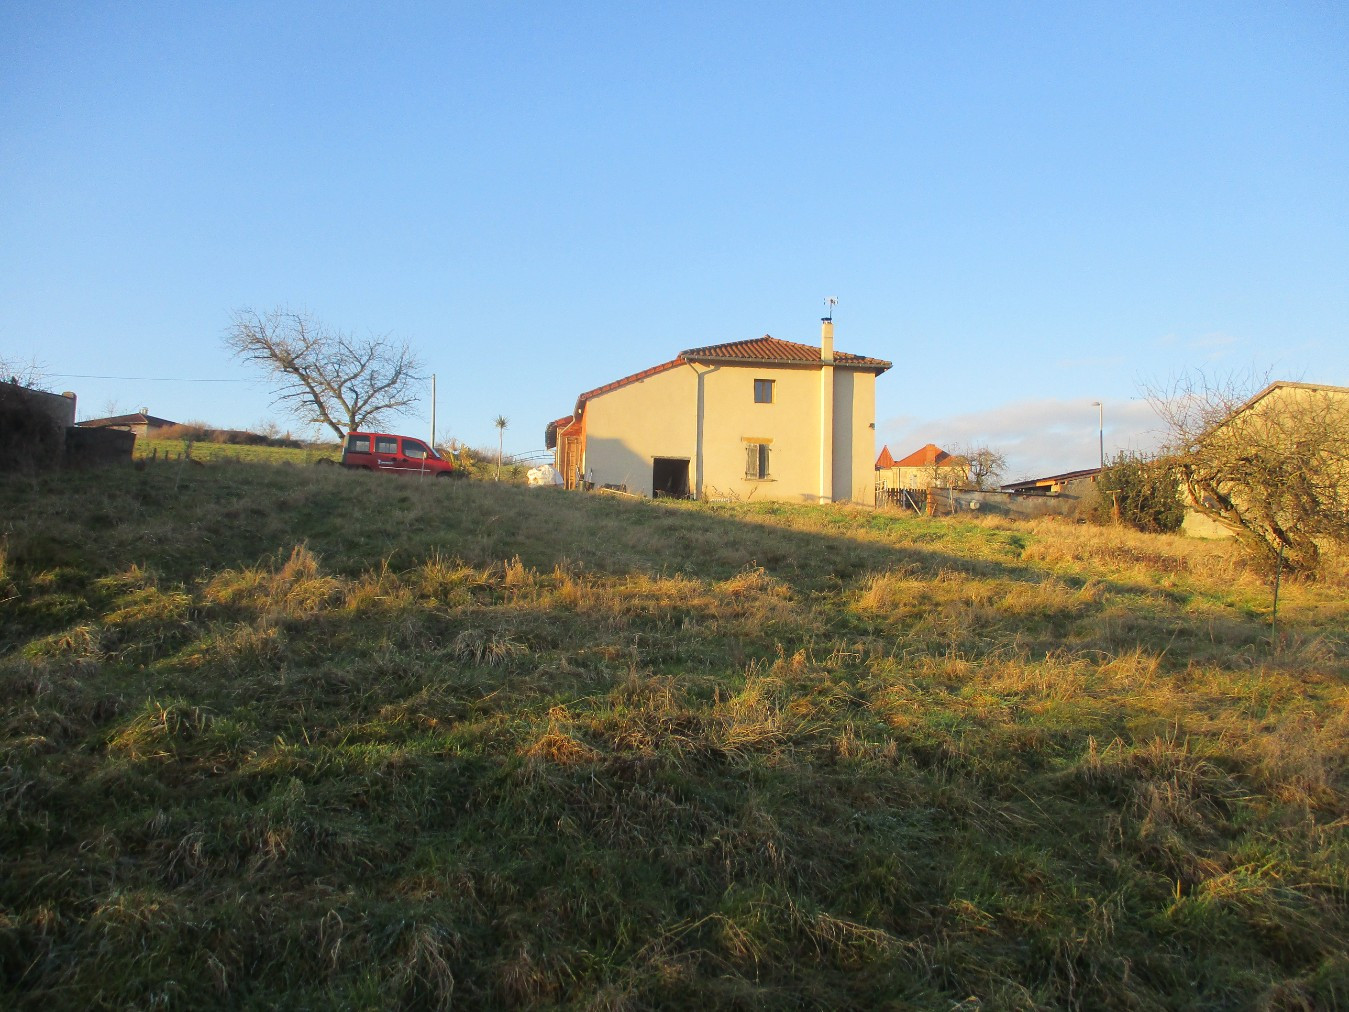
(756, 460)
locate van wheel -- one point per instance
(444, 474)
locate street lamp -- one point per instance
(1098, 404)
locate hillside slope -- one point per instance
(291, 736)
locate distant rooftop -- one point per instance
(118, 421)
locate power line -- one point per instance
(144, 379)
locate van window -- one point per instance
(358, 444)
(414, 448)
(386, 444)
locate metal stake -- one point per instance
(1278, 575)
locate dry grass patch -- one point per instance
(320, 741)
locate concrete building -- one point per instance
(762, 419)
(38, 432)
(33, 426)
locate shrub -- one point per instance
(29, 437)
(199, 432)
(1141, 492)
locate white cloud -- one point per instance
(1213, 346)
(1038, 437)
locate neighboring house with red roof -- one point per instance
(142, 424)
(765, 418)
(928, 467)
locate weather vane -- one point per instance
(831, 301)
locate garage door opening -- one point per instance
(670, 477)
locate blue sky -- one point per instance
(1026, 207)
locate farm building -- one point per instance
(763, 418)
(1299, 430)
(1078, 483)
(142, 424)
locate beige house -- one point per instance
(927, 467)
(1285, 424)
(762, 419)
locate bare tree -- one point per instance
(324, 376)
(983, 466)
(1273, 468)
(30, 373)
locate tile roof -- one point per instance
(139, 418)
(928, 455)
(765, 350)
(884, 460)
(770, 350)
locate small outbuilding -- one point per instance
(143, 424)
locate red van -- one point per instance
(381, 451)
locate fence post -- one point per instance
(1274, 617)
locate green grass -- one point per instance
(167, 451)
(297, 737)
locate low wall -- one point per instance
(98, 447)
(955, 502)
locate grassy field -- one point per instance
(289, 736)
(206, 451)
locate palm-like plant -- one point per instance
(500, 421)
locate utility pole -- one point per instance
(433, 411)
(1098, 404)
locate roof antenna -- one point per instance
(831, 301)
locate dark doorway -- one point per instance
(670, 477)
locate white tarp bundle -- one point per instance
(544, 476)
